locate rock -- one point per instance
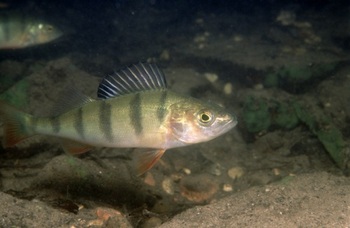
(198, 188)
(319, 199)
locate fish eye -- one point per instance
(49, 28)
(205, 117)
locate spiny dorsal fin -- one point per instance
(136, 78)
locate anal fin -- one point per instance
(146, 160)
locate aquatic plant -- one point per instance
(285, 116)
(293, 75)
(5, 82)
(326, 132)
(260, 114)
(256, 115)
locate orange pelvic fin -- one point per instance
(73, 147)
(146, 160)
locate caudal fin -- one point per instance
(15, 124)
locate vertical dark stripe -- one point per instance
(55, 124)
(24, 27)
(105, 115)
(161, 110)
(135, 113)
(78, 123)
(6, 28)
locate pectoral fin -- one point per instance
(146, 160)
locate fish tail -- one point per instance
(15, 123)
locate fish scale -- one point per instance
(142, 113)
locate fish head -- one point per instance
(46, 33)
(195, 121)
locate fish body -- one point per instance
(135, 110)
(17, 31)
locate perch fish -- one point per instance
(134, 109)
(17, 31)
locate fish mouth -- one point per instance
(231, 122)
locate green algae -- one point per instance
(256, 115)
(294, 74)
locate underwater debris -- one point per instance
(198, 188)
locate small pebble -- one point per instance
(211, 77)
(276, 171)
(228, 88)
(149, 179)
(152, 222)
(237, 38)
(168, 186)
(187, 171)
(176, 177)
(165, 55)
(200, 39)
(259, 86)
(327, 105)
(227, 188)
(201, 46)
(299, 51)
(199, 21)
(235, 172)
(215, 170)
(287, 49)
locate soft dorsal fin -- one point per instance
(136, 78)
(70, 99)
